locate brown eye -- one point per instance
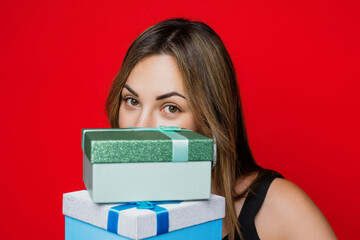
(132, 101)
(171, 109)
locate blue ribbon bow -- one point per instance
(162, 215)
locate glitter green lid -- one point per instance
(114, 146)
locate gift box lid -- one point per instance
(162, 144)
(136, 221)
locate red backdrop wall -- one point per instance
(298, 68)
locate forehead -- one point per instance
(157, 74)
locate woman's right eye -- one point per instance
(132, 102)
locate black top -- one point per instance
(251, 206)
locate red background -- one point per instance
(298, 68)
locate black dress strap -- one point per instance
(252, 204)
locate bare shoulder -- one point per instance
(289, 213)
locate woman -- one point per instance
(179, 73)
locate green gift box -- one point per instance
(129, 145)
(146, 164)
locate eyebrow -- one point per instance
(161, 97)
(170, 94)
(131, 90)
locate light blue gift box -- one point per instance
(78, 230)
(85, 219)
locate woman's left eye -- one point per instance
(171, 109)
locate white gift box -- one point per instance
(137, 223)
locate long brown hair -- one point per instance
(210, 81)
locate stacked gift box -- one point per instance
(144, 183)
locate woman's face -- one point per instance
(154, 96)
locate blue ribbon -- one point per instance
(162, 215)
(180, 144)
